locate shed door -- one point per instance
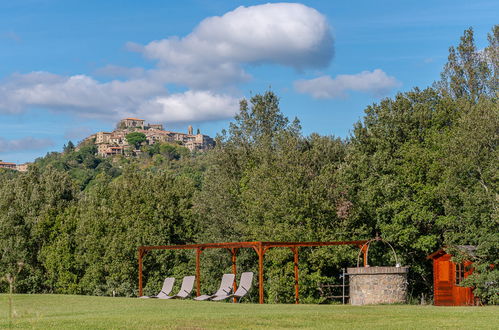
(444, 282)
(462, 295)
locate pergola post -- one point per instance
(364, 253)
(260, 272)
(297, 288)
(233, 252)
(140, 271)
(198, 271)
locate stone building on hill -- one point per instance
(131, 123)
(115, 143)
(22, 167)
(10, 166)
(14, 166)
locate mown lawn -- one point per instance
(84, 312)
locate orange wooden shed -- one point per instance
(447, 275)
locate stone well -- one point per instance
(378, 285)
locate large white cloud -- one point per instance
(112, 100)
(80, 93)
(288, 34)
(210, 59)
(377, 83)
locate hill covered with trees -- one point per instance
(419, 169)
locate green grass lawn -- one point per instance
(85, 312)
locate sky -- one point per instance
(72, 68)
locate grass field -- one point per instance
(84, 312)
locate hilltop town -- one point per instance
(115, 142)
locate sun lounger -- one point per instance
(185, 290)
(225, 288)
(244, 286)
(165, 291)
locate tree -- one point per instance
(135, 139)
(29, 207)
(469, 72)
(392, 174)
(469, 154)
(267, 182)
(140, 207)
(470, 192)
(492, 55)
(69, 147)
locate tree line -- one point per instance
(420, 170)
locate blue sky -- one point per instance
(72, 68)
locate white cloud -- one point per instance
(202, 76)
(80, 94)
(288, 34)
(191, 106)
(211, 58)
(27, 143)
(377, 83)
(113, 100)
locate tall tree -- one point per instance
(267, 182)
(492, 54)
(470, 72)
(392, 173)
(470, 192)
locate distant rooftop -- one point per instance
(134, 119)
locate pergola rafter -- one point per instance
(260, 249)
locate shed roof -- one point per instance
(464, 249)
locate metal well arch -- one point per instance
(365, 249)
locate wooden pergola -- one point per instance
(259, 247)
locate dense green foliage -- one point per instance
(135, 139)
(165, 151)
(420, 170)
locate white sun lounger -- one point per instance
(185, 290)
(244, 286)
(225, 288)
(165, 291)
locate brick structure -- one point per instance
(378, 285)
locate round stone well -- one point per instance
(378, 285)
